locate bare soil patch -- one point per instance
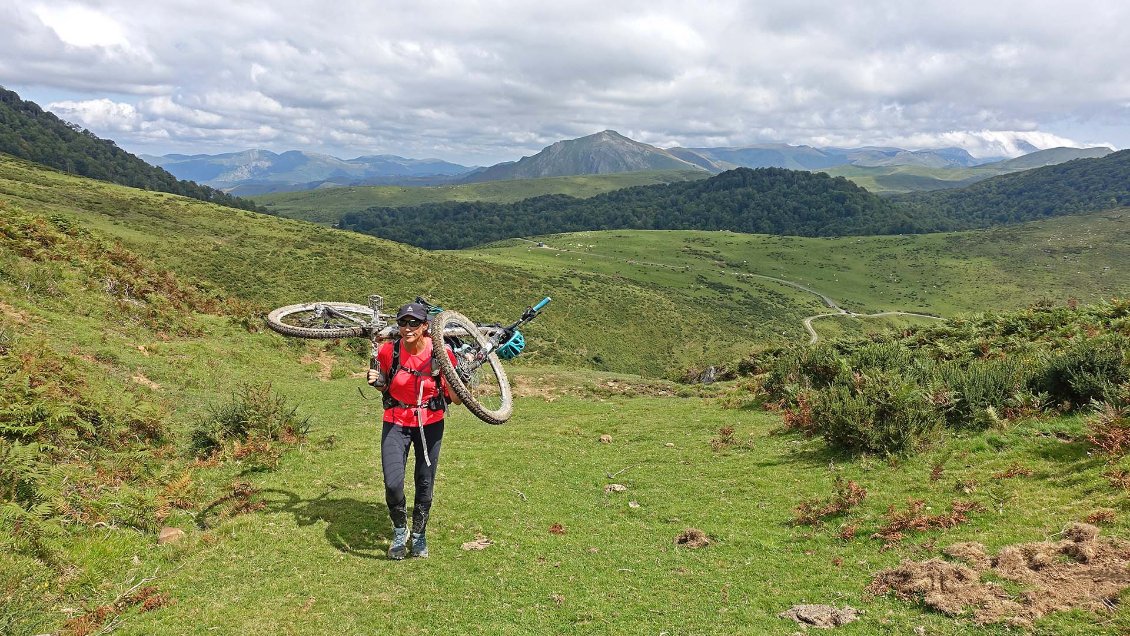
(479, 543)
(1081, 571)
(539, 387)
(12, 313)
(692, 538)
(144, 381)
(324, 361)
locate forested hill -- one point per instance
(1081, 185)
(763, 201)
(29, 132)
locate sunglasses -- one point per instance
(411, 323)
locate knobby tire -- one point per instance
(486, 393)
(299, 321)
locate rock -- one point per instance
(615, 488)
(606, 439)
(822, 616)
(169, 535)
(670, 445)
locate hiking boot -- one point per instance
(399, 548)
(419, 545)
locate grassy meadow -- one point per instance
(293, 543)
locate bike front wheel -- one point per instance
(476, 378)
(321, 320)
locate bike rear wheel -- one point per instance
(321, 320)
(479, 381)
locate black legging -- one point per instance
(395, 441)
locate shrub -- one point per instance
(816, 366)
(1091, 369)
(979, 385)
(255, 412)
(885, 356)
(880, 412)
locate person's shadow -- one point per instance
(357, 528)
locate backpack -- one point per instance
(436, 403)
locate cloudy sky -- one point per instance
(481, 81)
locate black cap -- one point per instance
(413, 310)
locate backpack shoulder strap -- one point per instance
(395, 366)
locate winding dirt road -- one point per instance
(827, 300)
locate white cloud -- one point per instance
(99, 114)
(496, 79)
(81, 26)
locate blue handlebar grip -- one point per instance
(543, 303)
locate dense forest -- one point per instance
(764, 201)
(1073, 187)
(29, 132)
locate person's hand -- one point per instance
(375, 378)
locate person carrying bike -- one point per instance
(415, 399)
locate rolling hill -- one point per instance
(765, 200)
(1080, 185)
(29, 132)
(326, 206)
(769, 201)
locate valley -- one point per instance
(634, 313)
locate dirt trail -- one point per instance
(814, 336)
(827, 300)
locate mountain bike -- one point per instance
(477, 377)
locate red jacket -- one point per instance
(405, 385)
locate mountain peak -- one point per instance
(599, 153)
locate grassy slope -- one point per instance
(327, 205)
(276, 262)
(698, 311)
(944, 274)
(899, 179)
(310, 563)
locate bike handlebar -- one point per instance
(543, 303)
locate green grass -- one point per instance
(310, 563)
(327, 205)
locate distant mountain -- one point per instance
(1049, 157)
(810, 158)
(256, 172)
(602, 153)
(29, 132)
(261, 171)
